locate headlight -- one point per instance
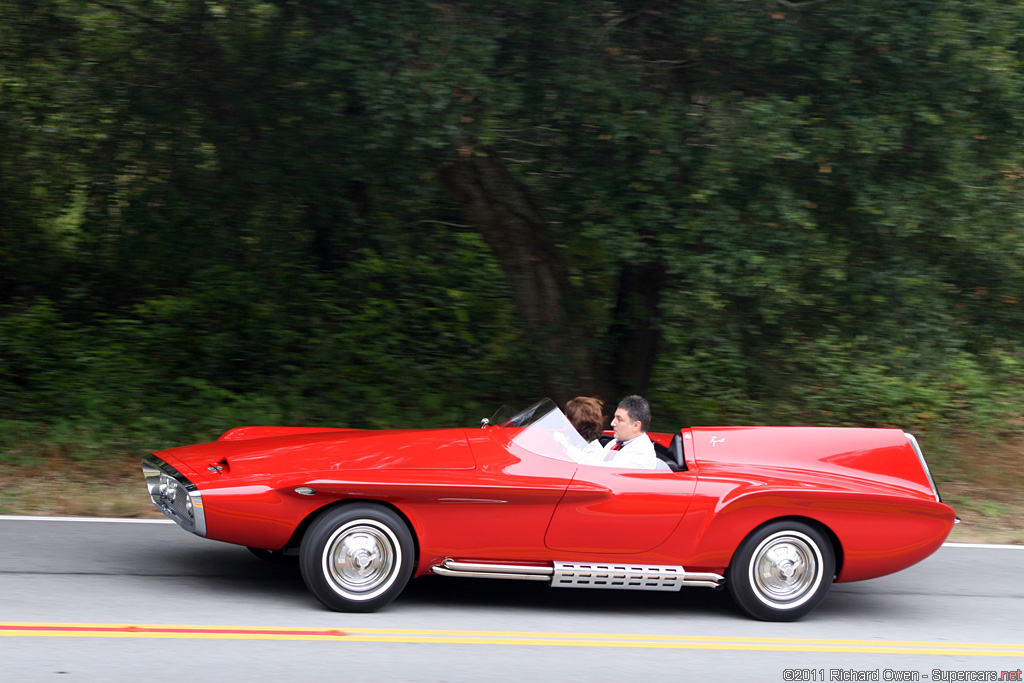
(174, 495)
(168, 488)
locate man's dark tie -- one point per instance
(617, 446)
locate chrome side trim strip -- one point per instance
(499, 568)
(479, 570)
(704, 580)
(586, 574)
(440, 570)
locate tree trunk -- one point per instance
(500, 207)
(635, 330)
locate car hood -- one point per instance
(249, 451)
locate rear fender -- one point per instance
(874, 534)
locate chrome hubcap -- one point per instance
(786, 569)
(361, 559)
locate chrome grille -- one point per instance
(174, 495)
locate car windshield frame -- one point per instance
(507, 416)
(546, 431)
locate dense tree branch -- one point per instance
(142, 16)
(800, 5)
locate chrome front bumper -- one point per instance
(174, 495)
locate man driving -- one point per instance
(631, 446)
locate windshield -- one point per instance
(547, 432)
(507, 416)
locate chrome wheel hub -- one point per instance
(361, 559)
(785, 569)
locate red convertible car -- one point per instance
(773, 514)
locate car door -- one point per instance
(621, 511)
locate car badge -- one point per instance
(715, 440)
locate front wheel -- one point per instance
(782, 571)
(357, 558)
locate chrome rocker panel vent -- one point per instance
(622, 576)
(586, 575)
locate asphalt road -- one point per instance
(106, 600)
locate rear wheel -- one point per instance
(782, 571)
(357, 558)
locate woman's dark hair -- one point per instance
(584, 412)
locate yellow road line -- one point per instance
(541, 638)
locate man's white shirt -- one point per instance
(637, 453)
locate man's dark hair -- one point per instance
(638, 409)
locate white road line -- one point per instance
(113, 520)
(127, 520)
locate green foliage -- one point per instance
(395, 352)
(224, 213)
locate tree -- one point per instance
(784, 211)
